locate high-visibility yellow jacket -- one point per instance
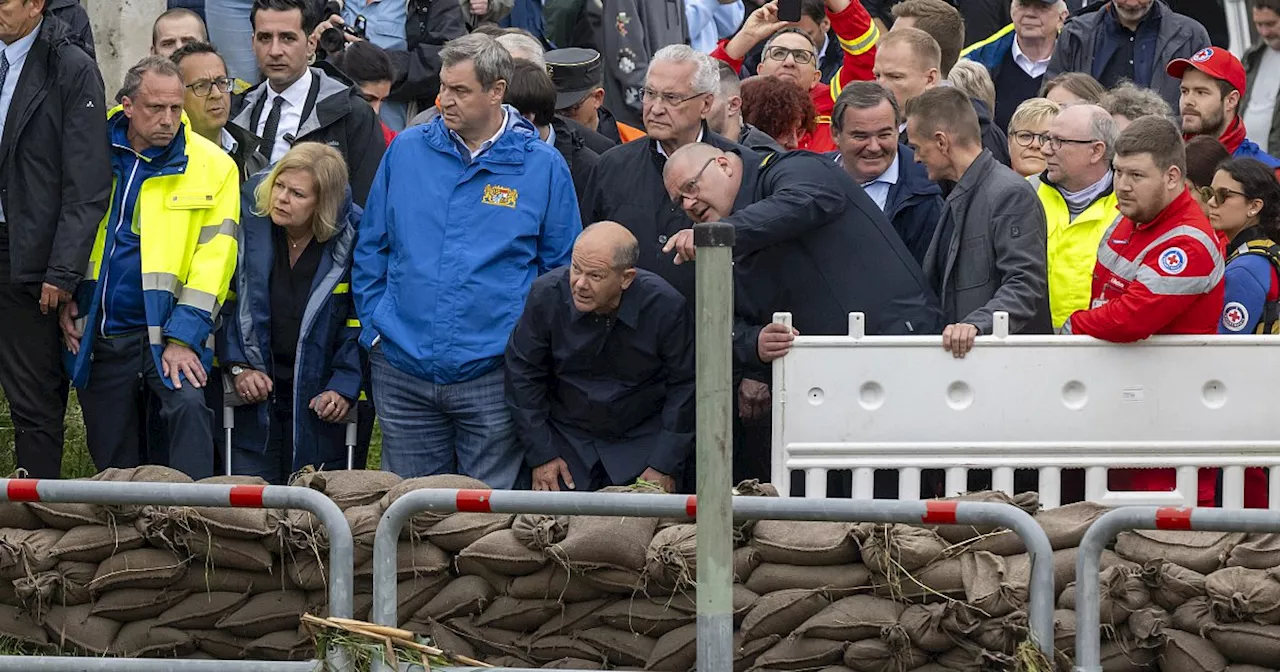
(186, 217)
(1072, 248)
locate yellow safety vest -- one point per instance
(1072, 248)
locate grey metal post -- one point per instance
(1105, 529)
(228, 424)
(714, 241)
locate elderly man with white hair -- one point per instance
(1019, 54)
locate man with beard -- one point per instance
(1213, 82)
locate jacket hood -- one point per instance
(175, 155)
(333, 102)
(54, 30)
(518, 132)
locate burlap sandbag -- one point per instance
(1257, 551)
(201, 611)
(284, 645)
(19, 627)
(935, 627)
(1121, 593)
(1243, 595)
(939, 581)
(1194, 616)
(745, 652)
(802, 654)
(675, 650)
(363, 521)
(509, 613)
(573, 664)
(1018, 567)
(781, 612)
(672, 556)
(356, 487)
(618, 581)
(136, 604)
(1064, 630)
(441, 637)
(470, 567)
(147, 473)
(500, 552)
(1248, 668)
(463, 596)
(956, 534)
(61, 516)
(26, 552)
(571, 618)
(18, 516)
(619, 647)
(488, 641)
(423, 521)
(266, 613)
(415, 592)
(1148, 626)
(1065, 526)
(539, 531)
(1002, 634)
(554, 583)
(606, 541)
(745, 561)
(969, 657)
(508, 660)
(889, 550)
(805, 542)
(306, 569)
(743, 601)
(849, 619)
(219, 553)
(139, 568)
(891, 651)
(1171, 584)
(1246, 643)
(412, 558)
(989, 586)
(146, 639)
(299, 529)
(95, 543)
(67, 585)
(653, 617)
(220, 644)
(233, 580)
(232, 523)
(77, 628)
(835, 581)
(752, 487)
(1204, 552)
(463, 529)
(1186, 652)
(554, 647)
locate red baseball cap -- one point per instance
(1213, 61)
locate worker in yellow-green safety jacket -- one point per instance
(160, 269)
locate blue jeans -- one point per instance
(231, 32)
(459, 428)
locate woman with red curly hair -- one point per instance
(786, 113)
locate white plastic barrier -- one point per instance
(1027, 402)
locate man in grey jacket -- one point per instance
(988, 251)
(1128, 39)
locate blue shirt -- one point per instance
(16, 54)
(709, 21)
(1120, 42)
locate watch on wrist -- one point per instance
(237, 370)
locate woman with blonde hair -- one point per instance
(289, 340)
(1027, 129)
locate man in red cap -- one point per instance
(1213, 82)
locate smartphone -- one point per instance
(788, 10)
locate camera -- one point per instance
(332, 40)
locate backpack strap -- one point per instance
(1270, 322)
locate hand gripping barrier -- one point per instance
(190, 494)
(1105, 529)
(715, 656)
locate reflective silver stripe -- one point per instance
(1034, 180)
(208, 233)
(91, 270)
(198, 299)
(164, 282)
(1173, 285)
(208, 342)
(81, 323)
(1066, 326)
(861, 43)
(155, 335)
(1127, 269)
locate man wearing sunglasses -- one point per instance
(1213, 83)
(206, 99)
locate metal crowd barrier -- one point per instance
(1041, 586)
(1104, 530)
(341, 566)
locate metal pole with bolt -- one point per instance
(714, 241)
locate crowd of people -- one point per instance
(482, 235)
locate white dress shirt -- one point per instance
(295, 97)
(878, 189)
(16, 54)
(1032, 68)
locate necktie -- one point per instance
(269, 131)
(4, 68)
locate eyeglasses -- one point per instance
(1221, 194)
(690, 189)
(1055, 142)
(669, 99)
(204, 87)
(1027, 138)
(801, 56)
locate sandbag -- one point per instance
(957, 534)
(412, 558)
(21, 628)
(236, 581)
(653, 617)
(1257, 551)
(1064, 630)
(1171, 585)
(889, 550)
(18, 516)
(201, 611)
(672, 556)
(147, 473)
(500, 552)
(1203, 552)
(745, 561)
(891, 651)
(539, 531)
(214, 553)
(299, 530)
(95, 543)
(26, 552)
(1121, 593)
(307, 570)
(1194, 616)
(349, 488)
(61, 516)
(232, 523)
(1065, 526)
(743, 601)
(554, 647)
(463, 596)
(1246, 643)
(606, 541)
(220, 643)
(77, 628)
(136, 604)
(836, 581)
(284, 645)
(988, 586)
(139, 568)
(363, 521)
(423, 521)
(67, 584)
(1243, 595)
(849, 619)
(573, 617)
(617, 580)
(939, 581)
(139, 639)
(675, 650)
(442, 638)
(745, 652)
(934, 628)
(469, 567)
(802, 653)
(488, 641)
(573, 664)
(1122, 655)
(266, 613)
(552, 582)
(509, 613)
(618, 646)
(1002, 634)
(751, 487)
(463, 529)
(805, 542)
(1148, 626)
(416, 592)
(781, 612)
(1186, 652)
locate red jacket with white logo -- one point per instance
(1161, 277)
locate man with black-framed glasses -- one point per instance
(206, 99)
